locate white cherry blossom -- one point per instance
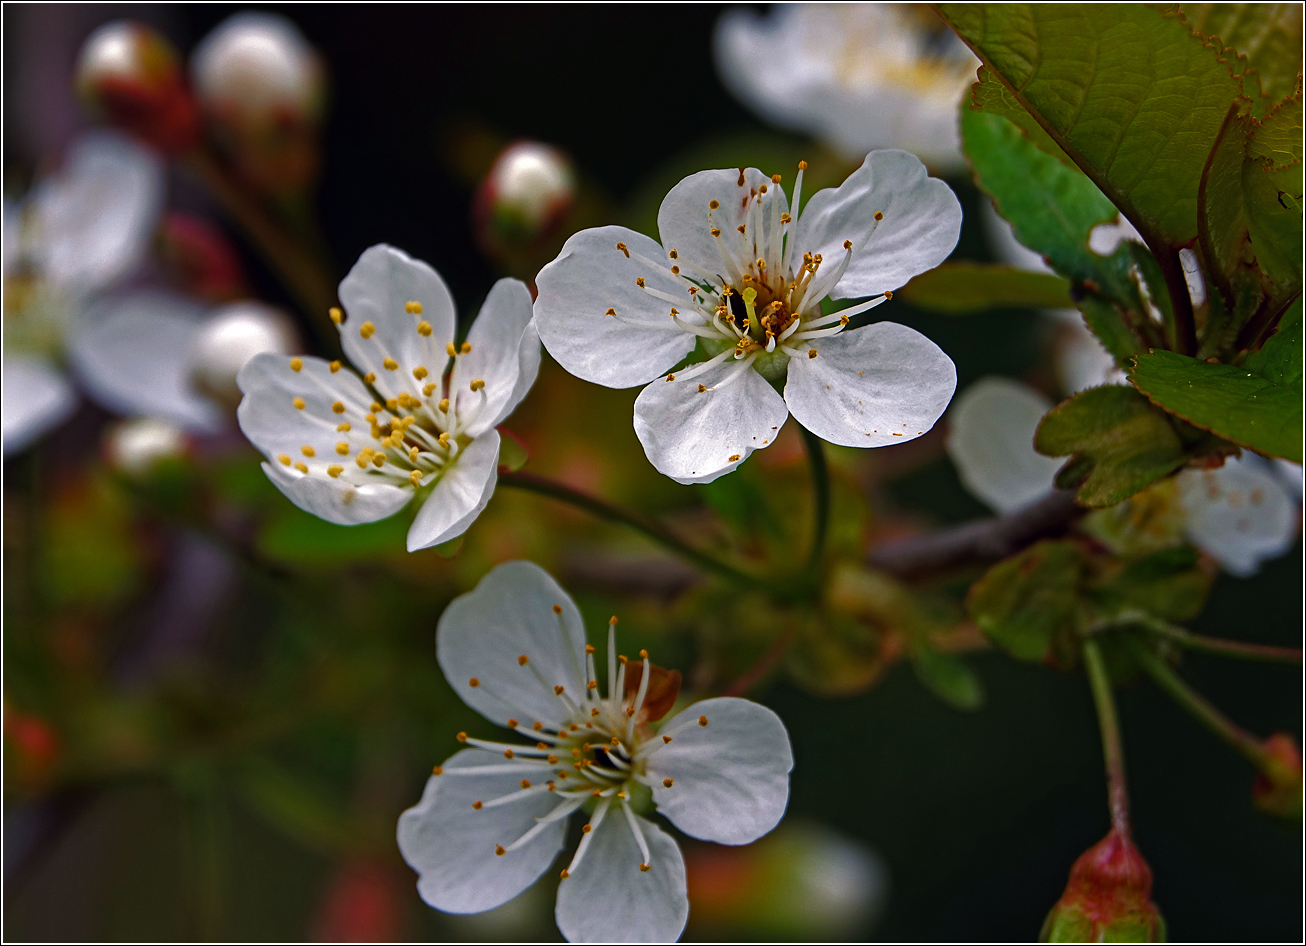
(858, 76)
(418, 424)
(1240, 514)
(493, 817)
(740, 275)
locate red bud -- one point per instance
(200, 259)
(1278, 789)
(1108, 898)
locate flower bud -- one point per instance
(1278, 789)
(524, 197)
(1108, 898)
(130, 75)
(134, 447)
(261, 88)
(231, 337)
(200, 259)
(32, 747)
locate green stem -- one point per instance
(1113, 751)
(605, 510)
(1238, 650)
(1197, 706)
(820, 499)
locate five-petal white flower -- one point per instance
(420, 421)
(858, 76)
(742, 275)
(1240, 514)
(493, 817)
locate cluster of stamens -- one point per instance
(598, 753)
(756, 298)
(405, 440)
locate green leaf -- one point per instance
(988, 94)
(301, 538)
(964, 288)
(1053, 210)
(1272, 195)
(1119, 443)
(1268, 34)
(1222, 216)
(1231, 402)
(1127, 91)
(1029, 604)
(1280, 358)
(1168, 584)
(948, 678)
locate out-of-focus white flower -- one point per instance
(857, 76)
(134, 446)
(1240, 513)
(528, 190)
(741, 276)
(229, 338)
(76, 234)
(260, 67)
(493, 818)
(354, 450)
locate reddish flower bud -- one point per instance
(130, 76)
(32, 746)
(200, 259)
(363, 904)
(232, 336)
(1278, 789)
(1108, 898)
(524, 197)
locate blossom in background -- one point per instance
(493, 817)
(742, 275)
(1240, 514)
(856, 76)
(419, 423)
(74, 236)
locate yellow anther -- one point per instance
(296, 364)
(443, 439)
(639, 281)
(811, 353)
(299, 403)
(415, 478)
(338, 407)
(512, 724)
(389, 364)
(762, 189)
(785, 218)
(702, 388)
(499, 849)
(438, 770)
(335, 366)
(666, 739)
(802, 165)
(611, 312)
(369, 378)
(363, 459)
(734, 457)
(473, 682)
(645, 868)
(424, 329)
(702, 720)
(428, 389)
(301, 467)
(613, 620)
(307, 451)
(344, 427)
(507, 753)
(564, 874)
(392, 405)
(443, 406)
(285, 459)
(675, 270)
(594, 712)
(622, 659)
(557, 691)
(622, 247)
(888, 294)
(378, 460)
(336, 315)
(537, 725)
(367, 330)
(643, 654)
(334, 470)
(741, 228)
(775, 178)
(466, 348)
(525, 783)
(847, 244)
(557, 609)
(716, 231)
(450, 350)
(342, 448)
(477, 384)
(878, 215)
(420, 372)
(587, 829)
(413, 308)
(666, 782)
(592, 685)
(671, 377)
(714, 204)
(674, 255)
(412, 454)
(476, 805)
(376, 408)
(630, 711)
(589, 648)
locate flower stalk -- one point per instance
(1217, 646)
(1099, 682)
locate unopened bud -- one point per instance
(261, 88)
(525, 195)
(134, 447)
(1108, 898)
(235, 334)
(200, 259)
(1278, 789)
(32, 747)
(130, 76)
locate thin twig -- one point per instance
(1220, 647)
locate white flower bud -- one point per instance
(134, 446)
(231, 337)
(528, 190)
(258, 67)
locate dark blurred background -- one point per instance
(977, 816)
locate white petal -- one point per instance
(269, 418)
(36, 398)
(505, 353)
(693, 436)
(377, 289)
(731, 777)
(871, 387)
(1290, 474)
(1239, 515)
(591, 276)
(337, 500)
(452, 846)
(608, 899)
(131, 355)
(96, 218)
(751, 59)
(484, 632)
(685, 220)
(991, 441)
(921, 223)
(459, 495)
